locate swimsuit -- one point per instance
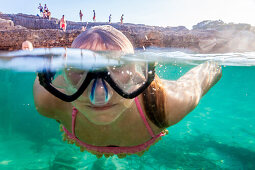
(62, 23)
(120, 151)
(41, 8)
(94, 16)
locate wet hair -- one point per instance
(107, 38)
(103, 38)
(153, 101)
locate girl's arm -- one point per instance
(183, 95)
(47, 104)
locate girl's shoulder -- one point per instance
(47, 104)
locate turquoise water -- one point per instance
(218, 134)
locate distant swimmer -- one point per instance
(121, 19)
(94, 16)
(110, 18)
(81, 15)
(63, 23)
(27, 45)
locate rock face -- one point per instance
(6, 24)
(221, 26)
(206, 36)
(31, 21)
(12, 39)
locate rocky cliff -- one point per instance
(205, 37)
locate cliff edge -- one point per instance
(205, 37)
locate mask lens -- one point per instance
(130, 77)
(68, 81)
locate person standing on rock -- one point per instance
(94, 16)
(121, 19)
(40, 8)
(44, 14)
(110, 18)
(81, 15)
(45, 7)
(49, 14)
(63, 23)
(83, 28)
(45, 11)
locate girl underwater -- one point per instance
(112, 111)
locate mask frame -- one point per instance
(46, 77)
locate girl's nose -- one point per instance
(100, 93)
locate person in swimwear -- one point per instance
(83, 28)
(94, 15)
(81, 15)
(110, 18)
(62, 23)
(121, 19)
(27, 45)
(40, 8)
(45, 7)
(49, 15)
(118, 110)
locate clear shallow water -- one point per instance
(218, 134)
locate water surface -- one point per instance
(218, 134)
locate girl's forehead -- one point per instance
(119, 67)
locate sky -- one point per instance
(150, 12)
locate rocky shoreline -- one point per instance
(205, 37)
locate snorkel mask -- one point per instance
(128, 80)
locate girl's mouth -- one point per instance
(103, 107)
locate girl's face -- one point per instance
(108, 112)
(99, 111)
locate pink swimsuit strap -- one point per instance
(120, 149)
(143, 117)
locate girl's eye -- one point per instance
(75, 77)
